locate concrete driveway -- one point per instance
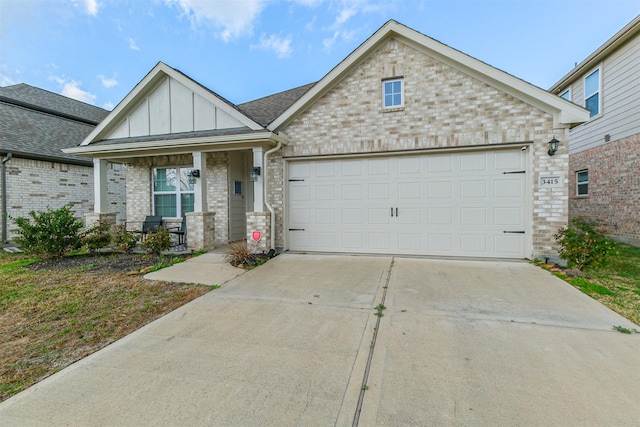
(297, 342)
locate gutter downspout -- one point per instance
(5, 238)
(266, 198)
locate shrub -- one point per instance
(583, 244)
(239, 253)
(158, 241)
(53, 233)
(97, 237)
(124, 239)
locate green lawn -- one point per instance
(617, 285)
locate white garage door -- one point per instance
(456, 204)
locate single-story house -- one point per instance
(604, 152)
(35, 125)
(407, 146)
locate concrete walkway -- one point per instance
(297, 342)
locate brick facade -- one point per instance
(443, 108)
(614, 187)
(260, 221)
(35, 185)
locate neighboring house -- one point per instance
(407, 147)
(604, 153)
(35, 125)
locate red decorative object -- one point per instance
(256, 235)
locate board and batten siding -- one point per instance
(620, 95)
(171, 107)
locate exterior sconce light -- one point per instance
(553, 146)
(254, 174)
(193, 174)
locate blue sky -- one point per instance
(96, 51)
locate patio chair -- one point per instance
(150, 225)
(181, 233)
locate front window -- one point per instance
(592, 93)
(172, 192)
(582, 183)
(392, 92)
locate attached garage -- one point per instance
(472, 203)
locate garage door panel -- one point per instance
(351, 192)
(439, 189)
(457, 204)
(473, 243)
(473, 189)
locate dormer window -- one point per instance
(393, 93)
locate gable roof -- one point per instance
(160, 72)
(38, 124)
(267, 109)
(564, 112)
(629, 31)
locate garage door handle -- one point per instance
(391, 212)
(396, 211)
(514, 232)
(296, 229)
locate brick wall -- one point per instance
(35, 185)
(614, 187)
(443, 108)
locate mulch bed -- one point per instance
(102, 261)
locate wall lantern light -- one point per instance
(193, 174)
(553, 146)
(254, 174)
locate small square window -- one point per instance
(392, 93)
(566, 95)
(582, 183)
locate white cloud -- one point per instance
(281, 46)
(72, 89)
(108, 105)
(231, 19)
(92, 7)
(132, 43)
(107, 82)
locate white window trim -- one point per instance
(582, 183)
(177, 193)
(599, 91)
(391, 80)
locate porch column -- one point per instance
(100, 204)
(200, 187)
(258, 190)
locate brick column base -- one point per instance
(259, 221)
(201, 230)
(92, 219)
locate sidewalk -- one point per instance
(208, 269)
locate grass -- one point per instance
(53, 313)
(616, 285)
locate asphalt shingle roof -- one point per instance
(31, 128)
(52, 101)
(267, 109)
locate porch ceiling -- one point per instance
(122, 150)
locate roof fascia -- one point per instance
(126, 150)
(145, 86)
(564, 112)
(621, 37)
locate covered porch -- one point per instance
(217, 180)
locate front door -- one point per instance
(238, 199)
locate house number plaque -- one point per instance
(553, 181)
